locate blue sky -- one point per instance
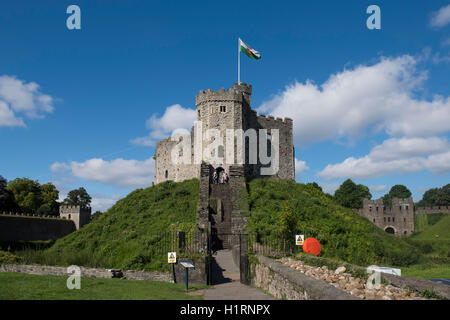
(372, 105)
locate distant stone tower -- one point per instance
(78, 214)
(226, 110)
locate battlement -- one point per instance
(434, 209)
(74, 207)
(31, 215)
(232, 94)
(269, 118)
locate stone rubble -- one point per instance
(348, 283)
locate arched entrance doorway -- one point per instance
(390, 230)
(220, 172)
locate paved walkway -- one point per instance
(226, 281)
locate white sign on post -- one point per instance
(172, 257)
(299, 238)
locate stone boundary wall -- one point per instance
(283, 282)
(88, 272)
(430, 210)
(32, 228)
(420, 285)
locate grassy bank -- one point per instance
(126, 236)
(17, 286)
(281, 209)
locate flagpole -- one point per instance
(239, 62)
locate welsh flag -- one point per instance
(252, 53)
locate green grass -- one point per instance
(427, 271)
(125, 237)
(17, 286)
(281, 209)
(427, 230)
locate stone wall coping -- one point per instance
(319, 289)
(30, 215)
(419, 285)
(88, 272)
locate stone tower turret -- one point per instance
(78, 214)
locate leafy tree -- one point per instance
(314, 185)
(397, 191)
(7, 202)
(96, 214)
(50, 196)
(27, 194)
(351, 195)
(288, 222)
(78, 197)
(436, 197)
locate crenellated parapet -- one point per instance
(236, 93)
(434, 209)
(31, 215)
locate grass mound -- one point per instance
(125, 236)
(281, 209)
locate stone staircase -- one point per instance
(221, 222)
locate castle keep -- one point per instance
(230, 137)
(229, 111)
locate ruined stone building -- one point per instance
(397, 219)
(228, 110)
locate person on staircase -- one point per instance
(215, 178)
(225, 177)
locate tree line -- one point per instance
(29, 196)
(351, 195)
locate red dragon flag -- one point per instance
(252, 53)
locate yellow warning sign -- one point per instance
(172, 257)
(299, 238)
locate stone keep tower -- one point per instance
(78, 214)
(225, 110)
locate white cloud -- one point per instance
(120, 172)
(438, 58)
(329, 188)
(441, 17)
(59, 167)
(380, 188)
(175, 119)
(376, 98)
(405, 155)
(17, 96)
(439, 163)
(102, 202)
(7, 117)
(300, 167)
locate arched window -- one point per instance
(166, 174)
(69, 216)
